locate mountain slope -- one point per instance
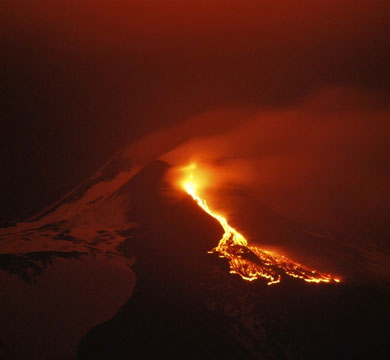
(119, 269)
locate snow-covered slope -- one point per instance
(119, 269)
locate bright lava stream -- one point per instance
(251, 262)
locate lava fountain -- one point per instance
(249, 262)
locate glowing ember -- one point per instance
(250, 262)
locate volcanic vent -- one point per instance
(250, 262)
(128, 223)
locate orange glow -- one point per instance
(249, 262)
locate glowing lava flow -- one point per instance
(251, 262)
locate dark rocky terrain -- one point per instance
(119, 269)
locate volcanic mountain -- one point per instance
(120, 269)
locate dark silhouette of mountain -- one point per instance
(129, 247)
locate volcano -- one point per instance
(120, 269)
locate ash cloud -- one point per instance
(322, 163)
(83, 80)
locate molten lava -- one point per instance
(250, 262)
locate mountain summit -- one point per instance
(119, 268)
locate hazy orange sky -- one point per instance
(83, 80)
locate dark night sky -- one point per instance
(79, 81)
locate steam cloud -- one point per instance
(319, 163)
